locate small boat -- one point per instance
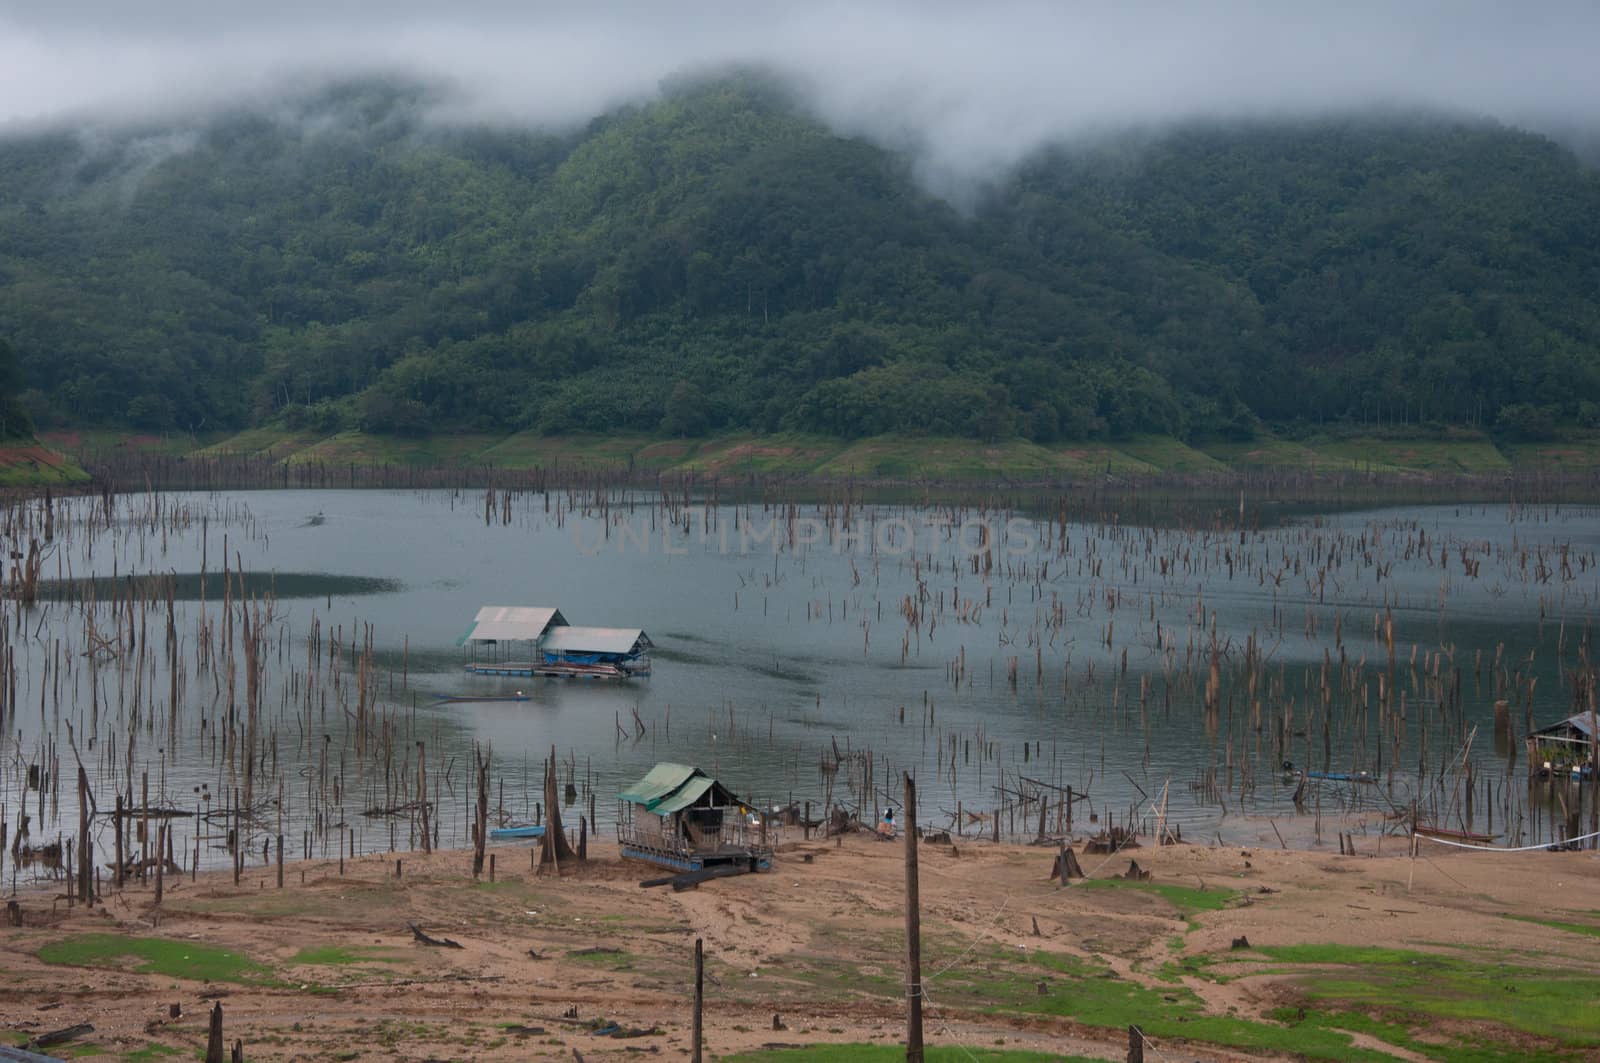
(506, 834)
(454, 698)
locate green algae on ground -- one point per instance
(173, 959)
(151, 1054)
(1188, 900)
(1547, 1002)
(344, 955)
(858, 1053)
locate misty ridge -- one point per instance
(967, 92)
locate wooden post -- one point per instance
(144, 827)
(118, 825)
(422, 791)
(480, 823)
(913, 931)
(1594, 769)
(280, 861)
(85, 847)
(214, 1040)
(699, 998)
(161, 859)
(1135, 1045)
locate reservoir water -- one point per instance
(1155, 670)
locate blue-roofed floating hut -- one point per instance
(680, 817)
(537, 640)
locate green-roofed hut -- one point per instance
(680, 817)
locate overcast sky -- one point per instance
(974, 85)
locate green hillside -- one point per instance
(719, 263)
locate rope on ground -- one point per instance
(974, 943)
(1506, 849)
(944, 1025)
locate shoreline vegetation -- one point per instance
(1242, 952)
(1569, 466)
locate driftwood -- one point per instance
(389, 983)
(132, 866)
(426, 939)
(397, 810)
(153, 812)
(63, 1035)
(620, 1032)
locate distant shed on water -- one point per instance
(621, 647)
(537, 640)
(500, 633)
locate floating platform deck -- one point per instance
(554, 670)
(749, 857)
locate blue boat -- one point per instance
(506, 834)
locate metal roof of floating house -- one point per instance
(607, 640)
(671, 788)
(1579, 728)
(508, 623)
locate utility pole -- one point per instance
(913, 931)
(699, 998)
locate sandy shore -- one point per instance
(327, 968)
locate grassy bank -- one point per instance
(880, 457)
(28, 464)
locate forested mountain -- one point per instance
(717, 259)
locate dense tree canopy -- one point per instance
(718, 260)
(14, 420)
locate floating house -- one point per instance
(623, 648)
(1562, 748)
(680, 817)
(537, 640)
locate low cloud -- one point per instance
(971, 88)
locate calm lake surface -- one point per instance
(974, 649)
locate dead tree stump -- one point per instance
(1066, 865)
(214, 1041)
